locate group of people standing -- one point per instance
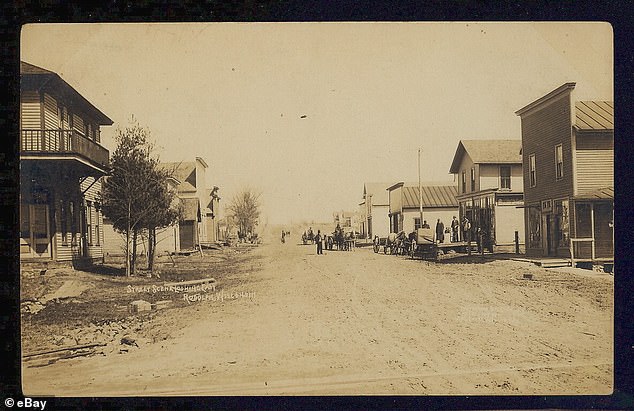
(453, 230)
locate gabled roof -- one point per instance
(185, 172)
(378, 193)
(594, 115)
(36, 78)
(209, 195)
(433, 196)
(487, 152)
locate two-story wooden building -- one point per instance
(376, 208)
(438, 199)
(61, 166)
(490, 189)
(568, 159)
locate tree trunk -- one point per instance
(151, 248)
(135, 234)
(128, 272)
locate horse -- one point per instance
(339, 239)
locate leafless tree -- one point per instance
(244, 209)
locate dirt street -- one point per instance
(364, 323)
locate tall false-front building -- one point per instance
(61, 166)
(568, 165)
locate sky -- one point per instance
(306, 113)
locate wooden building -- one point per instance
(490, 190)
(61, 166)
(568, 159)
(376, 208)
(199, 222)
(439, 202)
(349, 221)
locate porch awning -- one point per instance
(605, 193)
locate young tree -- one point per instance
(166, 209)
(135, 195)
(245, 210)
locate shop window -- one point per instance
(562, 212)
(534, 227)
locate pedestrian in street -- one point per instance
(318, 241)
(440, 231)
(455, 228)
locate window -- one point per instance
(72, 211)
(559, 161)
(416, 223)
(464, 181)
(97, 234)
(473, 179)
(63, 217)
(505, 177)
(531, 170)
(89, 221)
(60, 111)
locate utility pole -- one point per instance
(420, 192)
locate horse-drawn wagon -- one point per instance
(425, 247)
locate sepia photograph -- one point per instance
(332, 209)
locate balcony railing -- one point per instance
(33, 141)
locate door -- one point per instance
(35, 239)
(552, 233)
(186, 234)
(549, 238)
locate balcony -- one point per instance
(62, 142)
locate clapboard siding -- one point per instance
(542, 130)
(30, 114)
(595, 169)
(113, 243)
(51, 117)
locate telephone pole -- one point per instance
(420, 191)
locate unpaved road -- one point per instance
(365, 323)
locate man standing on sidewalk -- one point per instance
(318, 241)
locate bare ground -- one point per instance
(355, 322)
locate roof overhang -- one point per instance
(457, 158)
(559, 91)
(605, 193)
(395, 186)
(55, 85)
